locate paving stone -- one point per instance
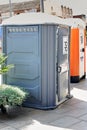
(84, 117)
(65, 122)
(72, 101)
(18, 123)
(76, 112)
(37, 126)
(82, 105)
(48, 117)
(2, 124)
(79, 126)
(8, 128)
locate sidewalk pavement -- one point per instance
(71, 115)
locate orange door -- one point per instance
(74, 54)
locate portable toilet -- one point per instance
(77, 49)
(38, 45)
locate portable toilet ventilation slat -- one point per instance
(38, 45)
(77, 49)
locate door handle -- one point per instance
(59, 69)
(83, 49)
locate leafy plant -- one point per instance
(11, 95)
(3, 67)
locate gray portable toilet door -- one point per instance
(23, 50)
(62, 62)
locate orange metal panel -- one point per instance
(74, 52)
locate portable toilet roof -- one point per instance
(34, 18)
(75, 22)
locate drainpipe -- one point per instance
(10, 8)
(42, 5)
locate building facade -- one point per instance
(17, 8)
(54, 7)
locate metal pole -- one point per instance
(10, 8)
(41, 6)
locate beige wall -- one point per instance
(54, 7)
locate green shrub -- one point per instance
(3, 67)
(9, 95)
(12, 95)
